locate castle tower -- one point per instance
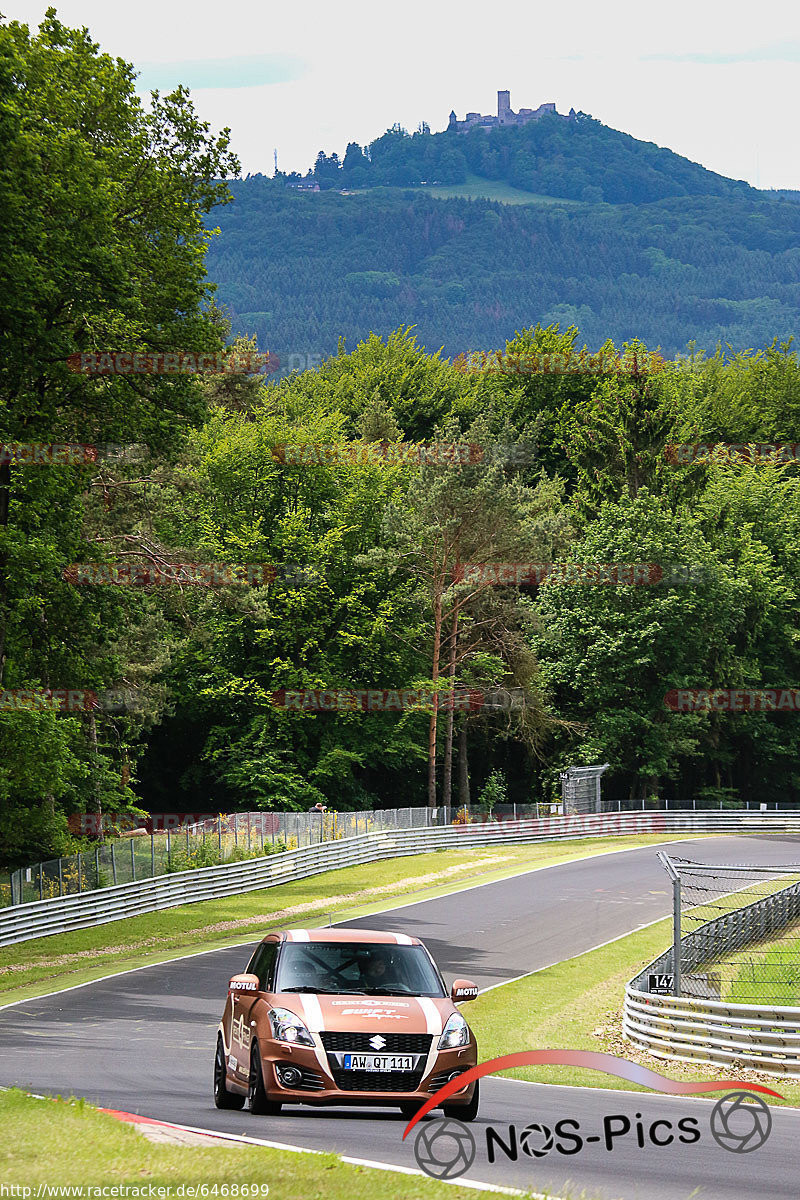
(503, 104)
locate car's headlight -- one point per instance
(455, 1033)
(287, 1027)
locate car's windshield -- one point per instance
(378, 969)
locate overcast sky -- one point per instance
(713, 81)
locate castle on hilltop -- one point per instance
(505, 116)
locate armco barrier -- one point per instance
(44, 917)
(754, 1036)
(700, 1029)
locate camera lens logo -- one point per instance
(445, 1148)
(740, 1122)
(536, 1140)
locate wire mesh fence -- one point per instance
(692, 804)
(221, 838)
(736, 932)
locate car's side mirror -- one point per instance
(463, 989)
(249, 984)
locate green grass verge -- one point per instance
(765, 972)
(50, 964)
(577, 1005)
(88, 1148)
(769, 974)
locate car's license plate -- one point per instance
(379, 1062)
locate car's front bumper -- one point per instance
(322, 1084)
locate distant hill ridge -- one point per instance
(536, 150)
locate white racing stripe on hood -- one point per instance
(312, 1012)
(312, 1015)
(433, 1018)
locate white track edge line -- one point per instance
(345, 1158)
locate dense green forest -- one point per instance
(302, 271)
(365, 591)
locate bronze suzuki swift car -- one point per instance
(343, 1016)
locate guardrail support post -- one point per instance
(666, 863)
(676, 934)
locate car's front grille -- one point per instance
(377, 1081)
(394, 1043)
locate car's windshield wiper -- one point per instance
(383, 991)
(317, 991)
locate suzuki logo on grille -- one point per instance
(377, 1042)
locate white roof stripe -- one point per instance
(299, 935)
(403, 939)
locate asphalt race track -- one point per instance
(143, 1042)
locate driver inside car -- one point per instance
(375, 972)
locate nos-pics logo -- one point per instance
(445, 1148)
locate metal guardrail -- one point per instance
(62, 913)
(753, 1036)
(696, 1028)
(182, 845)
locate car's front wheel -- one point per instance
(464, 1112)
(222, 1097)
(260, 1102)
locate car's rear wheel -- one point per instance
(222, 1097)
(260, 1102)
(464, 1112)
